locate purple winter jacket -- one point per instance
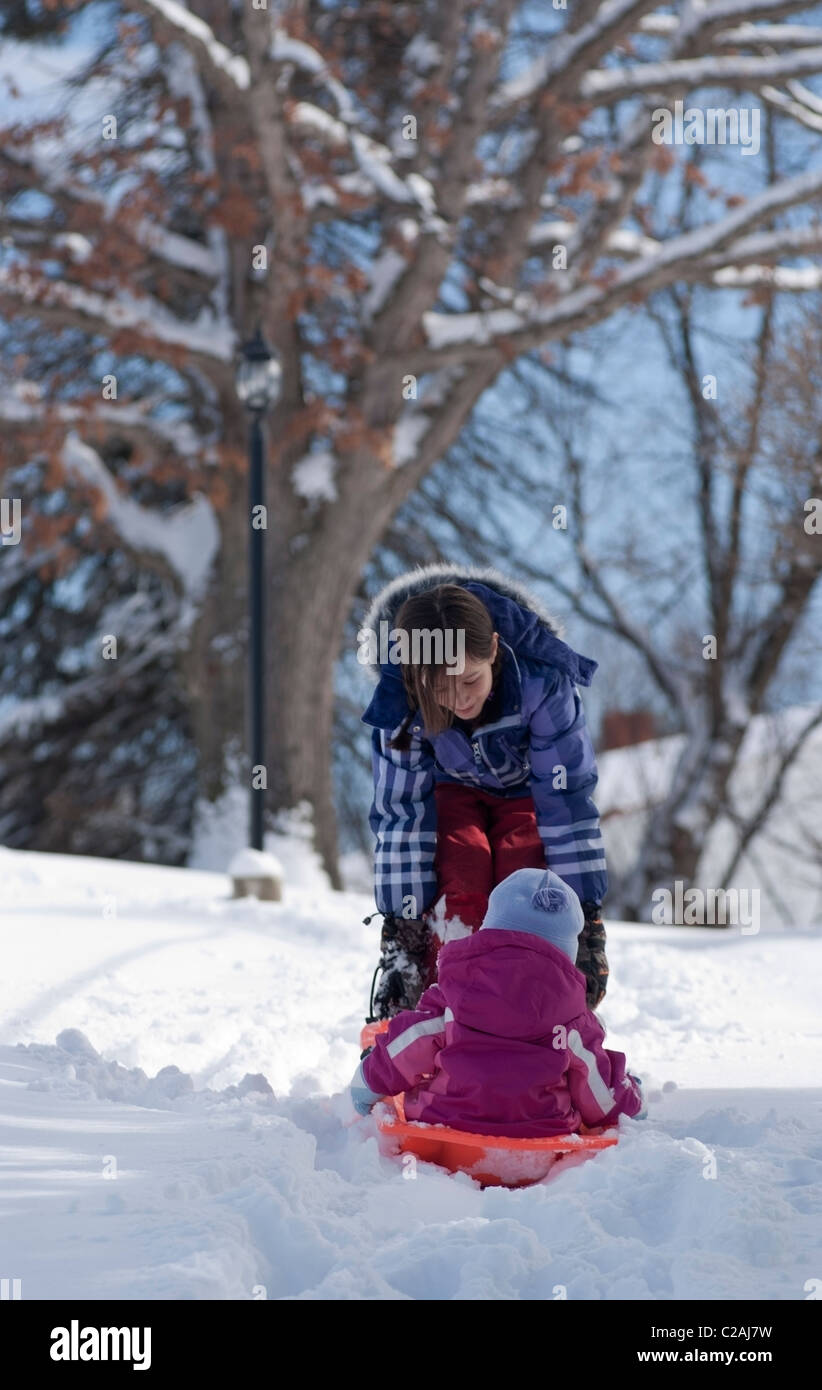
(503, 1044)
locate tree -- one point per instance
(407, 198)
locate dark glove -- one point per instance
(591, 957)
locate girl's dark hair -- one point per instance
(448, 606)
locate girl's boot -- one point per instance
(404, 945)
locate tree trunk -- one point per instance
(310, 594)
(215, 662)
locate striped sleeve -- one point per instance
(403, 817)
(563, 776)
(600, 1088)
(407, 1050)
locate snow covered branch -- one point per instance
(706, 20)
(47, 177)
(376, 166)
(65, 304)
(225, 65)
(621, 241)
(680, 76)
(798, 108)
(187, 537)
(770, 36)
(23, 406)
(285, 49)
(688, 256)
(569, 53)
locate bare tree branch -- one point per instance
(748, 827)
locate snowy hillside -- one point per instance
(189, 1136)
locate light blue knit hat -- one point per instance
(537, 901)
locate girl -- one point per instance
(503, 1043)
(478, 771)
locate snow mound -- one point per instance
(255, 863)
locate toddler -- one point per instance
(504, 1042)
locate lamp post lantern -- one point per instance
(259, 377)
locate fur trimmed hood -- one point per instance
(385, 604)
(522, 621)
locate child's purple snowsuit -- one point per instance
(503, 1044)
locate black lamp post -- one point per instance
(259, 375)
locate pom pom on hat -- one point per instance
(550, 899)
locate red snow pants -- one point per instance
(481, 839)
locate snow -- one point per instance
(25, 404)
(445, 330)
(608, 84)
(313, 476)
(797, 109)
(488, 191)
(197, 1049)
(170, 246)
(306, 114)
(659, 24)
(416, 419)
(804, 94)
(24, 715)
(285, 49)
(409, 432)
(423, 190)
(730, 10)
(621, 241)
(374, 161)
(79, 247)
(796, 278)
(324, 195)
(757, 35)
(558, 55)
(187, 536)
(184, 83)
(423, 53)
(754, 210)
(234, 67)
(213, 337)
(385, 272)
(318, 195)
(255, 863)
(178, 250)
(452, 330)
(221, 832)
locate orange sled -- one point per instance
(493, 1160)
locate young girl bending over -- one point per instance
(478, 772)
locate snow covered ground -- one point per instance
(174, 1122)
